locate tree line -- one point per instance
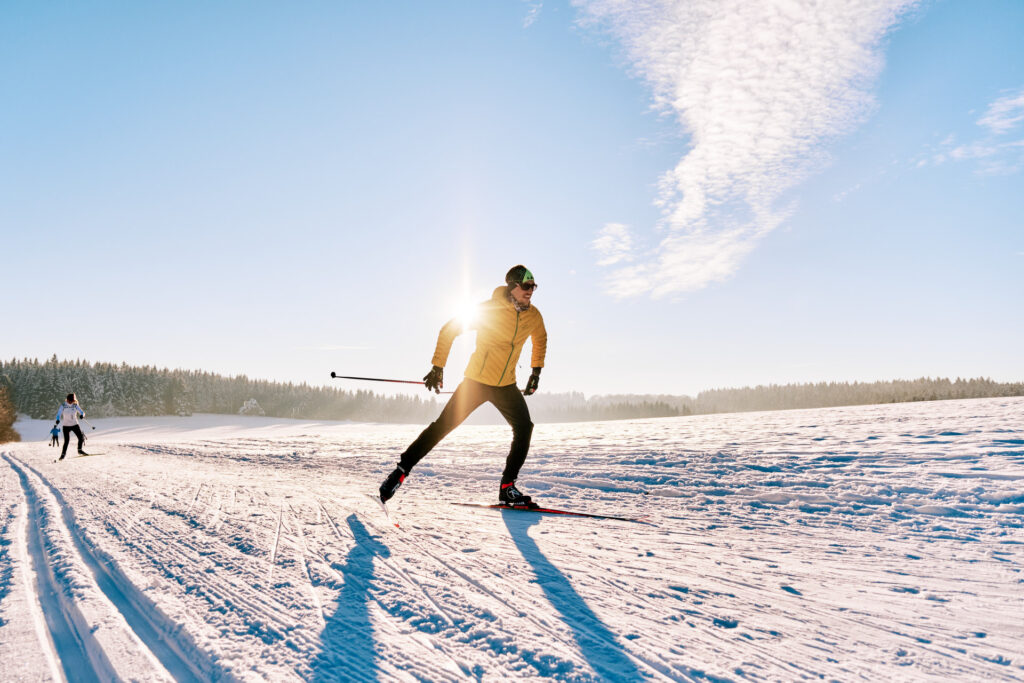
(830, 394)
(107, 390)
(36, 388)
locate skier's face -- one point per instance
(523, 295)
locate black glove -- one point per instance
(531, 384)
(57, 423)
(434, 380)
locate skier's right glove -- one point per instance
(532, 383)
(434, 380)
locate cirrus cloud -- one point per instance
(758, 87)
(998, 149)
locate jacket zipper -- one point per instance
(513, 343)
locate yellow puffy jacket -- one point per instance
(501, 333)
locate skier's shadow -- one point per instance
(596, 642)
(347, 641)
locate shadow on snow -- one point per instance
(596, 642)
(347, 652)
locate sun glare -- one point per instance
(468, 310)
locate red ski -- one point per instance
(550, 511)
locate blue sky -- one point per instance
(709, 197)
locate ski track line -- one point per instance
(224, 593)
(142, 510)
(33, 593)
(303, 552)
(216, 516)
(244, 594)
(194, 498)
(77, 642)
(236, 592)
(277, 538)
(164, 642)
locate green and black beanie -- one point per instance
(517, 275)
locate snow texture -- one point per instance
(871, 542)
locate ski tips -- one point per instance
(384, 507)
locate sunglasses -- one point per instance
(527, 286)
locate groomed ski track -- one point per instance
(89, 608)
(862, 543)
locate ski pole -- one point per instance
(87, 422)
(335, 375)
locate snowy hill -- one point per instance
(871, 542)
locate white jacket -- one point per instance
(68, 413)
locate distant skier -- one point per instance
(503, 325)
(54, 436)
(69, 412)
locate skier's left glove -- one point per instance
(531, 384)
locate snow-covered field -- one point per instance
(873, 542)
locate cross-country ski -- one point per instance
(540, 509)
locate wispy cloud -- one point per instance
(532, 14)
(1005, 114)
(614, 244)
(758, 86)
(998, 148)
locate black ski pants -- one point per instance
(67, 432)
(469, 396)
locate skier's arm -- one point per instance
(60, 409)
(452, 329)
(539, 339)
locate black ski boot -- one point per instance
(510, 495)
(391, 484)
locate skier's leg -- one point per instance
(81, 437)
(67, 440)
(467, 397)
(512, 406)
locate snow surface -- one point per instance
(873, 542)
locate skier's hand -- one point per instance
(531, 384)
(434, 380)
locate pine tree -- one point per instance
(8, 414)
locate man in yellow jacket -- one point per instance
(503, 324)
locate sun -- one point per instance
(468, 310)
